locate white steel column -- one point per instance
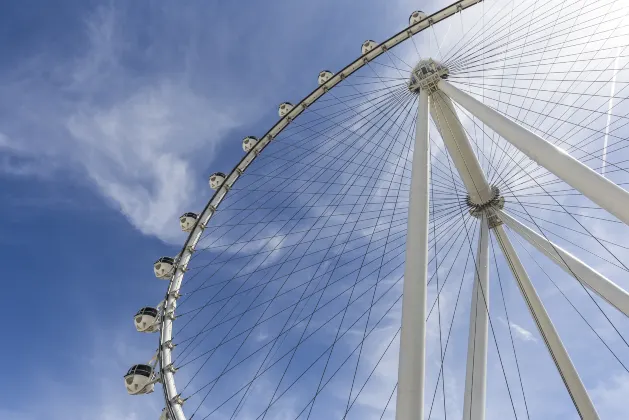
(546, 328)
(459, 148)
(598, 283)
(592, 185)
(476, 371)
(411, 368)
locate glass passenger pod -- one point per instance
(164, 267)
(284, 108)
(187, 221)
(216, 180)
(139, 380)
(249, 143)
(368, 46)
(146, 320)
(324, 76)
(416, 17)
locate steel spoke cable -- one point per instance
(464, 44)
(383, 210)
(570, 269)
(539, 30)
(343, 292)
(313, 177)
(552, 32)
(456, 305)
(477, 276)
(483, 87)
(502, 64)
(560, 205)
(210, 321)
(388, 401)
(459, 72)
(270, 197)
(311, 402)
(573, 306)
(244, 283)
(320, 327)
(351, 293)
(563, 238)
(234, 355)
(355, 348)
(453, 225)
(459, 60)
(345, 312)
(504, 304)
(348, 406)
(446, 209)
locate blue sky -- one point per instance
(86, 210)
(112, 114)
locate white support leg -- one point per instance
(476, 371)
(546, 328)
(459, 148)
(411, 369)
(592, 185)
(594, 280)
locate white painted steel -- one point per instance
(558, 352)
(459, 148)
(166, 336)
(594, 280)
(412, 359)
(591, 184)
(476, 369)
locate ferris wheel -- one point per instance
(437, 229)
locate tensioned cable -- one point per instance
(243, 283)
(574, 274)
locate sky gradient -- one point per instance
(112, 115)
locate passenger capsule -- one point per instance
(164, 267)
(216, 180)
(139, 380)
(146, 320)
(249, 143)
(368, 46)
(187, 221)
(416, 17)
(285, 108)
(324, 76)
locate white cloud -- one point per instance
(138, 149)
(522, 333)
(138, 152)
(137, 136)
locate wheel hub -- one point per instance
(496, 202)
(426, 75)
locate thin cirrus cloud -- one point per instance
(133, 135)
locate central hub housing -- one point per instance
(426, 75)
(496, 201)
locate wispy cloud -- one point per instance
(135, 136)
(522, 333)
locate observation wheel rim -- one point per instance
(173, 400)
